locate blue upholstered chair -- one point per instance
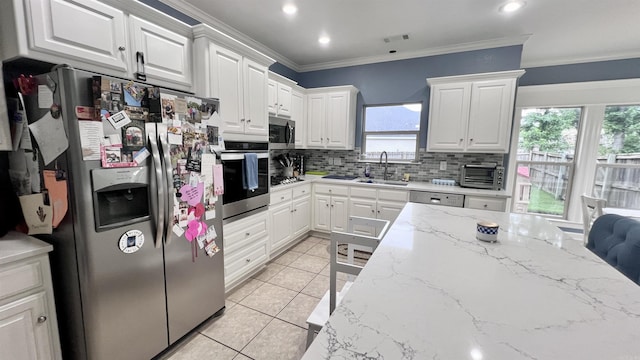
(616, 239)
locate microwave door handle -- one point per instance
(168, 186)
(157, 190)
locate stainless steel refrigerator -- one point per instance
(131, 271)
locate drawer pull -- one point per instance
(248, 260)
(247, 234)
(282, 198)
(485, 205)
(41, 319)
(304, 191)
(121, 48)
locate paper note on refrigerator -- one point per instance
(208, 161)
(45, 97)
(218, 182)
(50, 136)
(91, 135)
(57, 196)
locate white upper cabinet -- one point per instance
(255, 99)
(226, 85)
(167, 55)
(299, 115)
(472, 113)
(331, 117)
(96, 36)
(84, 30)
(238, 76)
(280, 93)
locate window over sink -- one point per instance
(392, 128)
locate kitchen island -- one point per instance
(433, 291)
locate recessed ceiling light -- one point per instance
(289, 9)
(512, 6)
(324, 40)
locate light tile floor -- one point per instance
(265, 318)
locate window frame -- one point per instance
(592, 97)
(363, 145)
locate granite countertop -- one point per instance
(15, 246)
(412, 185)
(433, 291)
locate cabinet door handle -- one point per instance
(241, 120)
(282, 198)
(304, 191)
(296, 210)
(373, 210)
(248, 260)
(291, 211)
(41, 319)
(121, 48)
(247, 234)
(327, 205)
(248, 120)
(471, 140)
(485, 205)
(378, 211)
(331, 205)
(461, 140)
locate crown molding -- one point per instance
(606, 92)
(229, 32)
(222, 39)
(470, 46)
(509, 74)
(580, 60)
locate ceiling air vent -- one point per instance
(396, 38)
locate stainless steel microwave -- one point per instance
(482, 176)
(282, 133)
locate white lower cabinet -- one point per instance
(485, 203)
(290, 216)
(331, 208)
(28, 324)
(245, 248)
(385, 204)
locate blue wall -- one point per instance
(285, 71)
(156, 4)
(404, 81)
(594, 71)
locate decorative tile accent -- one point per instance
(269, 299)
(278, 341)
(201, 347)
(425, 169)
(236, 327)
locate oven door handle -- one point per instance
(240, 156)
(157, 191)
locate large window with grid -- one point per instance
(392, 128)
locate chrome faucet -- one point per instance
(386, 158)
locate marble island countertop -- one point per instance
(433, 291)
(412, 185)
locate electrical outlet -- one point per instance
(337, 161)
(443, 165)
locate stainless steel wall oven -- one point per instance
(237, 200)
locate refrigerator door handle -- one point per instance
(168, 168)
(157, 189)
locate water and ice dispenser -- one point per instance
(120, 196)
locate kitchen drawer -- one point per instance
(301, 190)
(393, 195)
(19, 278)
(245, 231)
(280, 196)
(363, 192)
(244, 261)
(331, 189)
(483, 203)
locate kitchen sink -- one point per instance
(383, 182)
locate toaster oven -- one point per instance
(482, 176)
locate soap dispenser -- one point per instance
(367, 170)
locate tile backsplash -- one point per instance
(426, 169)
